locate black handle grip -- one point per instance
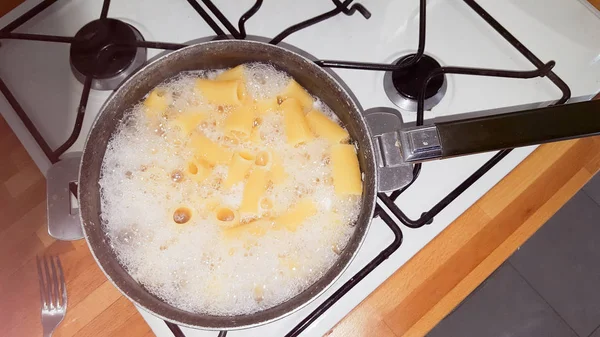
(516, 129)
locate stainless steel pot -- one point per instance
(215, 55)
(386, 151)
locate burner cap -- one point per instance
(403, 86)
(104, 51)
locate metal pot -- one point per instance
(215, 55)
(386, 151)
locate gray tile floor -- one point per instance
(549, 287)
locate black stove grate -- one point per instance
(346, 7)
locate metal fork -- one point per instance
(53, 292)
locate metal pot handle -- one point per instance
(392, 171)
(398, 148)
(504, 131)
(63, 218)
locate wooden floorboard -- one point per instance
(95, 307)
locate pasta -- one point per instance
(240, 121)
(265, 105)
(295, 90)
(182, 215)
(236, 73)
(263, 158)
(255, 228)
(255, 137)
(157, 102)
(209, 151)
(238, 168)
(324, 127)
(227, 217)
(346, 170)
(296, 127)
(188, 121)
(254, 190)
(221, 92)
(198, 170)
(296, 216)
(229, 184)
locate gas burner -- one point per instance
(105, 51)
(403, 86)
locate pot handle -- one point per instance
(63, 218)
(393, 172)
(504, 131)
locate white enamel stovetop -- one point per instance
(567, 31)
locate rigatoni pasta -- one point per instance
(240, 121)
(254, 190)
(235, 73)
(208, 150)
(324, 127)
(296, 127)
(157, 102)
(263, 106)
(238, 168)
(346, 170)
(295, 90)
(188, 121)
(229, 92)
(293, 218)
(227, 183)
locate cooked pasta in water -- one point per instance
(229, 192)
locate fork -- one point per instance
(53, 292)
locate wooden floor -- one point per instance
(95, 307)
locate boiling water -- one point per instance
(193, 266)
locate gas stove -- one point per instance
(492, 57)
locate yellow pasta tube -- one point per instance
(265, 105)
(227, 217)
(294, 217)
(254, 190)
(240, 122)
(238, 168)
(209, 151)
(182, 215)
(258, 228)
(235, 73)
(295, 125)
(324, 127)
(221, 92)
(188, 121)
(295, 90)
(157, 102)
(198, 171)
(266, 203)
(255, 136)
(346, 170)
(263, 158)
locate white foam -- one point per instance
(264, 81)
(192, 266)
